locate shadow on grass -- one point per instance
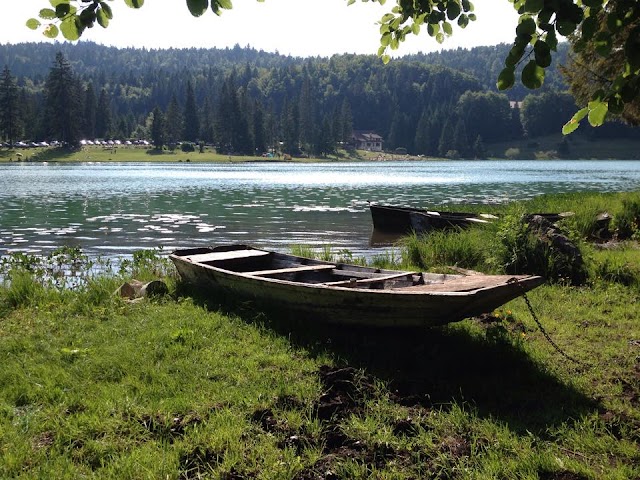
(436, 367)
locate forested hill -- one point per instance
(88, 58)
(485, 63)
(246, 101)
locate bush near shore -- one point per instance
(181, 388)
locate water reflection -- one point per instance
(114, 209)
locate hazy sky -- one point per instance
(291, 27)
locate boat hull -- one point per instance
(415, 306)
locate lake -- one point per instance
(116, 208)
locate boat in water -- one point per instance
(401, 220)
(342, 293)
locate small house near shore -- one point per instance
(366, 140)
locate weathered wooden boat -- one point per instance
(403, 220)
(343, 293)
(395, 219)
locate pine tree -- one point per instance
(346, 122)
(63, 103)
(158, 131)
(174, 122)
(9, 107)
(305, 114)
(90, 109)
(104, 122)
(191, 118)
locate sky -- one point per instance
(300, 28)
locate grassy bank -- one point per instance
(547, 147)
(177, 387)
(142, 154)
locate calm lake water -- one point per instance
(114, 209)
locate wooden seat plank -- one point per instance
(302, 268)
(230, 255)
(365, 281)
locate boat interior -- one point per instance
(265, 264)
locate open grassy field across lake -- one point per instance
(143, 154)
(183, 387)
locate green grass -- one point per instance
(178, 387)
(144, 154)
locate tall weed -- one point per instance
(461, 248)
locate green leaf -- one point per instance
(51, 31)
(134, 3)
(589, 27)
(533, 6)
(565, 27)
(62, 10)
(440, 37)
(552, 40)
(197, 7)
(463, 21)
(55, 3)
(532, 75)
(47, 14)
(107, 10)
(616, 105)
(597, 113)
(542, 53)
(574, 123)
(447, 28)
(632, 48)
(70, 29)
(102, 18)
(453, 10)
(33, 23)
(527, 26)
(506, 79)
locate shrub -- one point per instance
(626, 223)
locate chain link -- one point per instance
(542, 329)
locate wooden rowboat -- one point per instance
(403, 220)
(343, 293)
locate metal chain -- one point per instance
(542, 329)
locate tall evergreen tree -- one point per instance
(347, 121)
(173, 122)
(104, 121)
(259, 133)
(63, 103)
(191, 118)
(305, 114)
(206, 125)
(90, 109)
(158, 129)
(9, 106)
